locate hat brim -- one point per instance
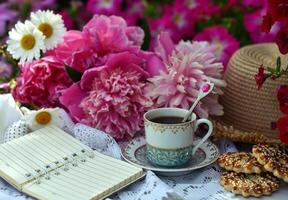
(222, 130)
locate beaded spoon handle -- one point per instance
(203, 92)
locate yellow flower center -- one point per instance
(28, 42)
(46, 29)
(43, 118)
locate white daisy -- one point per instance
(25, 42)
(51, 25)
(45, 117)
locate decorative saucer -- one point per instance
(134, 152)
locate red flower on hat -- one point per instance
(282, 39)
(260, 76)
(282, 125)
(282, 97)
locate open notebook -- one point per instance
(51, 164)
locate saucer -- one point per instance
(134, 152)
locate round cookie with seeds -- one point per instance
(240, 162)
(273, 158)
(249, 184)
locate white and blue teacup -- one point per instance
(171, 145)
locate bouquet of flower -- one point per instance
(102, 77)
(277, 15)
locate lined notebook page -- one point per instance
(22, 156)
(94, 179)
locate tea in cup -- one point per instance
(169, 140)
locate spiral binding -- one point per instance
(64, 164)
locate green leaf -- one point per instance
(74, 74)
(278, 64)
(271, 70)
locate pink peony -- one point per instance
(41, 82)
(189, 65)
(106, 7)
(75, 51)
(252, 23)
(224, 43)
(111, 97)
(112, 35)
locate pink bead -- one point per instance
(205, 88)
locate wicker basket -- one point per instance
(250, 114)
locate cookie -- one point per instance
(240, 162)
(249, 184)
(273, 158)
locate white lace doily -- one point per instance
(97, 140)
(16, 130)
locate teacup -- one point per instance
(171, 144)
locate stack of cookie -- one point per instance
(254, 174)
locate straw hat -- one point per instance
(250, 114)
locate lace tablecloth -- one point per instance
(201, 184)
